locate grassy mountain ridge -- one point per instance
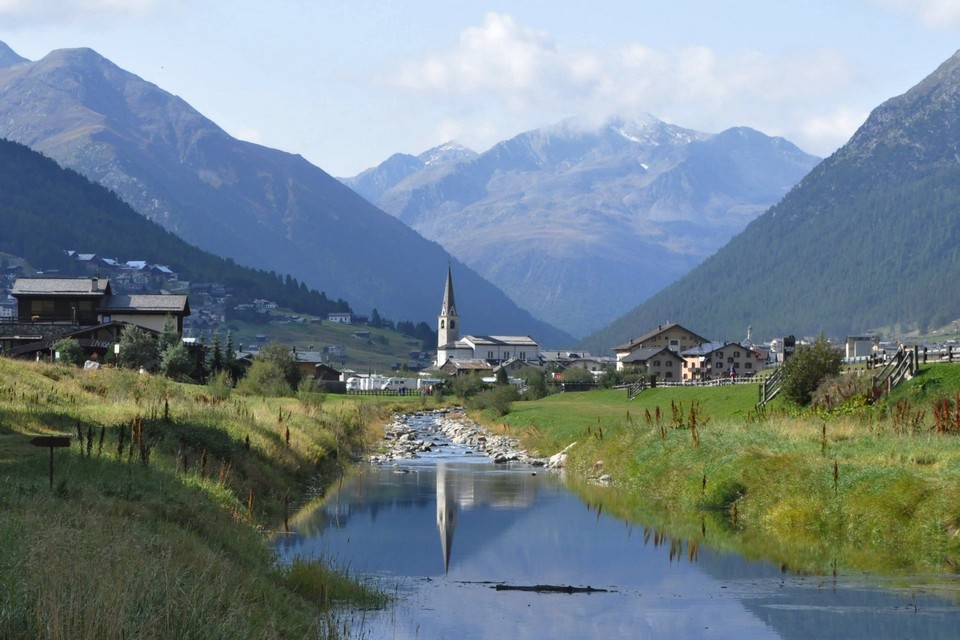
(868, 239)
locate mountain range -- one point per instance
(577, 222)
(868, 241)
(261, 207)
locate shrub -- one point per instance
(265, 378)
(808, 367)
(577, 374)
(137, 348)
(849, 390)
(466, 386)
(284, 359)
(70, 351)
(497, 400)
(176, 362)
(536, 383)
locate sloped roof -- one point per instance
(653, 334)
(503, 341)
(471, 364)
(707, 348)
(642, 355)
(61, 287)
(173, 304)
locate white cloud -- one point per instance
(248, 133)
(33, 12)
(937, 14)
(519, 78)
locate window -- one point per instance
(668, 374)
(736, 354)
(523, 355)
(719, 365)
(720, 354)
(656, 363)
(441, 323)
(730, 360)
(749, 365)
(489, 355)
(506, 354)
(453, 324)
(669, 363)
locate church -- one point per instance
(493, 350)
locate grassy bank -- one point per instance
(158, 522)
(874, 489)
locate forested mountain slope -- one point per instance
(46, 210)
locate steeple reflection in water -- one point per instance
(446, 514)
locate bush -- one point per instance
(497, 400)
(466, 386)
(611, 378)
(850, 390)
(137, 348)
(265, 378)
(536, 383)
(808, 367)
(176, 362)
(283, 357)
(577, 374)
(70, 351)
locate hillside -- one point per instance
(867, 240)
(577, 223)
(45, 209)
(261, 207)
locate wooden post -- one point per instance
(51, 442)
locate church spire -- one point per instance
(447, 330)
(449, 306)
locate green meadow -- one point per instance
(863, 488)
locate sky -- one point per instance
(346, 84)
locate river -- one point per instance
(473, 549)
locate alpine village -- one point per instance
(221, 369)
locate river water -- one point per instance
(442, 531)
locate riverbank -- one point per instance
(161, 507)
(875, 489)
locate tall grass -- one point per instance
(866, 488)
(161, 531)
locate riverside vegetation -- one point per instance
(852, 487)
(157, 525)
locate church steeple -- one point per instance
(447, 324)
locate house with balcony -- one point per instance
(669, 336)
(50, 309)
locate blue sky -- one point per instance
(346, 84)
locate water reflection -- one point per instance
(512, 527)
(446, 513)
